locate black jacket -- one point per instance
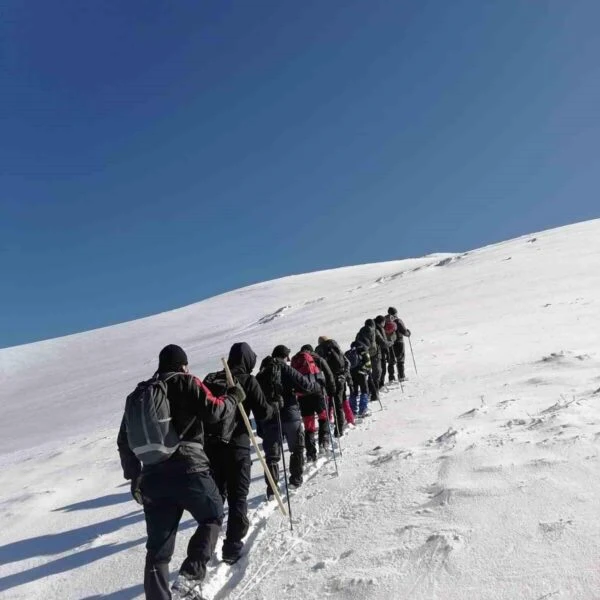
(188, 398)
(324, 367)
(381, 340)
(291, 382)
(401, 330)
(242, 361)
(366, 337)
(325, 350)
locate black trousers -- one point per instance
(231, 465)
(293, 432)
(166, 496)
(338, 403)
(397, 359)
(385, 358)
(375, 377)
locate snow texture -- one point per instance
(481, 480)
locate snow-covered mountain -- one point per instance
(481, 480)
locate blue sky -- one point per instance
(156, 153)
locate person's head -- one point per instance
(392, 311)
(379, 320)
(242, 358)
(370, 323)
(323, 339)
(282, 352)
(307, 348)
(171, 359)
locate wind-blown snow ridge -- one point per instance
(482, 480)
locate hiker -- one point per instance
(367, 337)
(397, 349)
(360, 366)
(384, 349)
(313, 366)
(279, 380)
(332, 353)
(229, 450)
(163, 430)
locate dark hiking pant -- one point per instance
(231, 465)
(166, 496)
(338, 404)
(293, 432)
(396, 360)
(309, 406)
(360, 382)
(375, 377)
(385, 359)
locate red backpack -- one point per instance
(390, 328)
(304, 363)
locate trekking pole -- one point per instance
(285, 476)
(337, 426)
(413, 355)
(332, 448)
(268, 474)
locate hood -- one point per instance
(242, 358)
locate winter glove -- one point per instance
(136, 492)
(408, 333)
(277, 404)
(237, 393)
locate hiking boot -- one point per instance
(311, 458)
(295, 482)
(365, 413)
(231, 552)
(186, 588)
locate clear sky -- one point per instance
(156, 153)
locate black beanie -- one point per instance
(379, 319)
(171, 358)
(307, 348)
(280, 351)
(392, 311)
(369, 323)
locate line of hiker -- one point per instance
(184, 445)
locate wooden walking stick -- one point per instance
(274, 486)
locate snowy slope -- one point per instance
(482, 480)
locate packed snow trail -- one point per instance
(482, 480)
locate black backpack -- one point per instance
(269, 379)
(223, 430)
(334, 358)
(151, 434)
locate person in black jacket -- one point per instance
(367, 338)
(317, 403)
(182, 482)
(230, 461)
(291, 420)
(397, 353)
(330, 350)
(384, 349)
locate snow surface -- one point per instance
(481, 480)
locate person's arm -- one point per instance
(329, 378)
(257, 401)
(299, 382)
(212, 409)
(401, 328)
(130, 463)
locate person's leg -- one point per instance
(218, 456)
(376, 374)
(399, 352)
(391, 364)
(201, 498)
(364, 394)
(307, 410)
(272, 448)
(294, 433)
(238, 485)
(355, 391)
(162, 516)
(338, 406)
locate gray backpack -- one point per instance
(150, 431)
